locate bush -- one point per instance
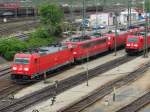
(10, 46)
(58, 31)
(40, 33)
(9, 55)
(37, 42)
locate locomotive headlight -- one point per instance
(26, 69)
(14, 68)
(74, 52)
(109, 38)
(128, 45)
(135, 45)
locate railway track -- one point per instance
(8, 92)
(7, 86)
(22, 103)
(137, 104)
(14, 19)
(106, 89)
(20, 26)
(5, 70)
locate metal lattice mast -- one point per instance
(83, 17)
(71, 11)
(116, 33)
(129, 13)
(96, 15)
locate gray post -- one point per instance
(146, 38)
(55, 93)
(128, 14)
(96, 15)
(83, 15)
(116, 34)
(114, 94)
(27, 11)
(146, 30)
(87, 70)
(71, 11)
(56, 87)
(45, 77)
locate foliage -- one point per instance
(50, 14)
(51, 17)
(147, 5)
(40, 33)
(10, 46)
(37, 42)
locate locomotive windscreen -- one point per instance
(132, 39)
(22, 60)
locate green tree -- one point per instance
(147, 5)
(51, 17)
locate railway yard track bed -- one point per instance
(125, 96)
(48, 92)
(99, 93)
(137, 104)
(79, 92)
(21, 103)
(9, 88)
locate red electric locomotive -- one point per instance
(121, 37)
(135, 43)
(29, 66)
(87, 46)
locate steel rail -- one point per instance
(20, 104)
(105, 89)
(5, 70)
(137, 104)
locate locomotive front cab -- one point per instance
(21, 68)
(134, 43)
(110, 40)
